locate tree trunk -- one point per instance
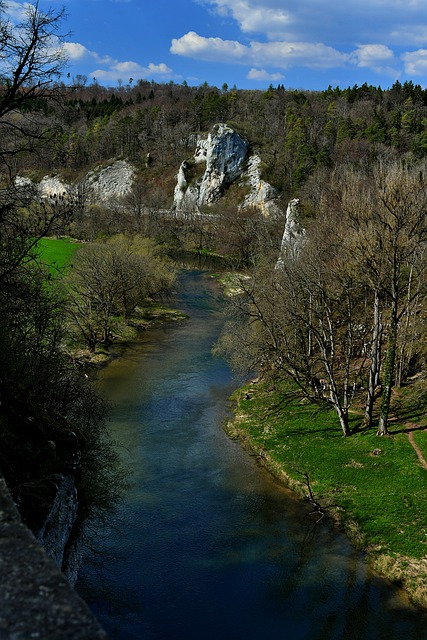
(402, 364)
(389, 371)
(342, 411)
(375, 362)
(343, 419)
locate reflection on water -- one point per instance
(207, 545)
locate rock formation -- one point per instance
(225, 157)
(262, 195)
(42, 468)
(220, 158)
(99, 186)
(224, 154)
(36, 601)
(56, 532)
(54, 186)
(113, 181)
(293, 234)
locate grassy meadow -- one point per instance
(57, 253)
(374, 488)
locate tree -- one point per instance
(329, 311)
(387, 232)
(48, 410)
(401, 233)
(302, 320)
(353, 195)
(112, 278)
(243, 234)
(32, 57)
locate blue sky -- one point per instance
(302, 44)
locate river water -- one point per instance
(207, 546)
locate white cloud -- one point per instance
(112, 69)
(332, 21)
(369, 55)
(255, 17)
(159, 69)
(284, 55)
(16, 11)
(124, 70)
(77, 52)
(417, 35)
(279, 54)
(191, 45)
(263, 75)
(377, 57)
(415, 62)
(367, 35)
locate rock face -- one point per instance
(220, 158)
(225, 155)
(114, 181)
(43, 468)
(54, 186)
(55, 533)
(36, 601)
(98, 186)
(293, 234)
(262, 195)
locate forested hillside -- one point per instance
(298, 133)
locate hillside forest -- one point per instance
(342, 318)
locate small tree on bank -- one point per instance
(113, 278)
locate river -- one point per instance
(207, 546)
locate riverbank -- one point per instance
(125, 332)
(372, 488)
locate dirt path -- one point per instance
(410, 426)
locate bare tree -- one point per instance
(303, 321)
(387, 235)
(32, 59)
(111, 279)
(401, 224)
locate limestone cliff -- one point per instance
(220, 159)
(99, 186)
(262, 195)
(42, 467)
(293, 233)
(224, 157)
(113, 181)
(224, 154)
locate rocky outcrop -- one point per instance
(98, 187)
(59, 522)
(113, 181)
(262, 195)
(54, 186)
(224, 156)
(293, 234)
(36, 600)
(42, 466)
(49, 186)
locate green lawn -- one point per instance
(379, 498)
(57, 253)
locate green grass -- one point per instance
(57, 253)
(383, 494)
